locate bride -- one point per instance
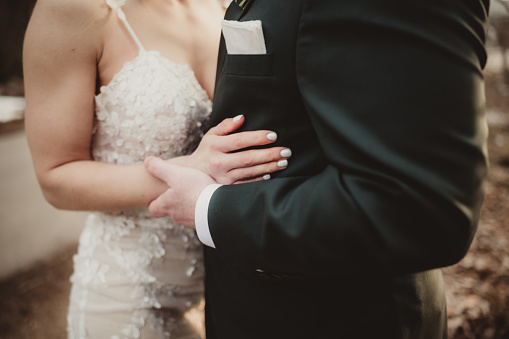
(109, 83)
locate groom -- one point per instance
(381, 102)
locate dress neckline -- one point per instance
(143, 53)
(116, 5)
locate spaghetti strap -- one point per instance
(116, 5)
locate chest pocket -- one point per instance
(260, 65)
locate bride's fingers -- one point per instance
(241, 140)
(259, 171)
(227, 126)
(263, 178)
(256, 157)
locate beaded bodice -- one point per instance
(152, 107)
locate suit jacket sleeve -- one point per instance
(396, 99)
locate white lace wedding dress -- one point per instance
(135, 276)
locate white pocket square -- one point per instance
(243, 37)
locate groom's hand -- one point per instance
(179, 200)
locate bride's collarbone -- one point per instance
(185, 40)
(177, 22)
(167, 12)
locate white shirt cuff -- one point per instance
(201, 219)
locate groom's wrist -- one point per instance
(201, 215)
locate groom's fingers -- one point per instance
(157, 207)
(159, 168)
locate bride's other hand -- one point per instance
(216, 155)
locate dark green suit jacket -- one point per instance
(382, 104)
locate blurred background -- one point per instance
(37, 242)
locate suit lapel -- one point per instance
(220, 61)
(246, 9)
(234, 11)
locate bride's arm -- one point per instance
(61, 50)
(62, 46)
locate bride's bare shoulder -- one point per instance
(71, 13)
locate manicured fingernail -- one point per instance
(286, 153)
(272, 136)
(266, 177)
(238, 117)
(282, 163)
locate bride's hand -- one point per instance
(216, 154)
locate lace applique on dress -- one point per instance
(136, 276)
(153, 106)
